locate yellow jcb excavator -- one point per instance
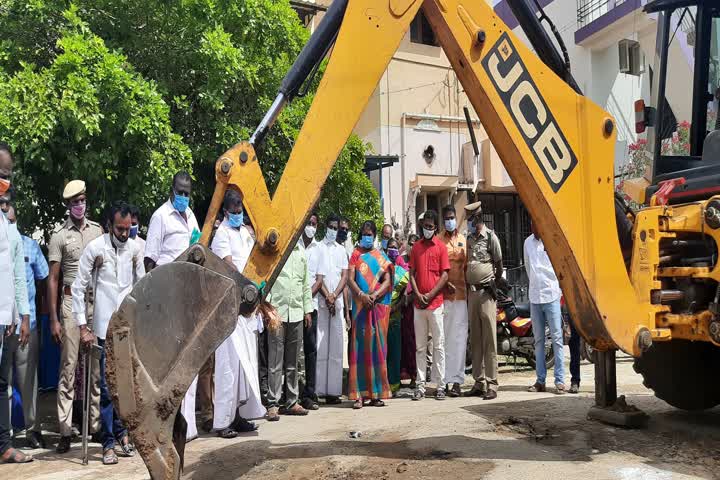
(558, 147)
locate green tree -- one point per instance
(348, 191)
(207, 69)
(75, 109)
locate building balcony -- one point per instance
(603, 22)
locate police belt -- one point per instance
(480, 287)
(488, 287)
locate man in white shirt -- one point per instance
(317, 269)
(13, 302)
(237, 387)
(544, 293)
(111, 264)
(172, 229)
(330, 317)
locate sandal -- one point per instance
(241, 425)
(13, 455)
(128, 449)
(227, 433)
(358, 404)
(377, 403)
(537, 388)
(110, 457)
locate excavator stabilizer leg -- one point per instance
(165, 329)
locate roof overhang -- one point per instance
(428, 182)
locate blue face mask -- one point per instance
(384, 243)
(235, 219)
(134, 231)
(366, 241)
(180, 203)
(450, 225)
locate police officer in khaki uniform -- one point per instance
(66, 246)
(483, 267)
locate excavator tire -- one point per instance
(682, 373)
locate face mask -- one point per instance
(366, 241)
(331, 235)
(117, 242)
(235, 219)
(310, 231)
(134, 231)
(428, 234)
(450, 225)
(471, 227)
(393, 253)
(78, 211)
(180, 203)
(4, 186)
(384, 243)
(341, 236)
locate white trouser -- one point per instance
(430, 322)
(237, 386)
(187, 408)
(455, 325)
(329, 365)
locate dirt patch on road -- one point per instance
(359, 468)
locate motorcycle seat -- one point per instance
(523, 310)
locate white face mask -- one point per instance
(118, 244)
(330, 235)
(310, 231)
(428, 234)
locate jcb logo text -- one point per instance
(530, 112)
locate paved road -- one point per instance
(520, 435)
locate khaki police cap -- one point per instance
(73, 188)
(474, 207)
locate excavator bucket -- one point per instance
(163, 332)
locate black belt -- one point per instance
(478, 287)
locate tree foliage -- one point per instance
(125, 93)
(75, 109)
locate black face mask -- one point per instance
(341, 236)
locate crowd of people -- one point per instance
(387, 309)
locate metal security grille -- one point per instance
(505, 214)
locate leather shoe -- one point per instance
(35, 440)
(309, 404)
(490, 395)
(63, 445)
(475, 392)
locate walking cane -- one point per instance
(87, 359)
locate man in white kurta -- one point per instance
(330, 326)
(172, 229)
(237, 385)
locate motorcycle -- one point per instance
(515, 336)
(514, 332)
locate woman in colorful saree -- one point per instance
(394, 339)
(370, 280)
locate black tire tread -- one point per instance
(682, 373)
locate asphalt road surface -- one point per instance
(520, 435)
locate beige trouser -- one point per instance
(68, 364)
(482, 312)
(205, 389)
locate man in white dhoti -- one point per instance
(330, 326)
(237, 386)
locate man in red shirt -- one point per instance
(429, 266)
